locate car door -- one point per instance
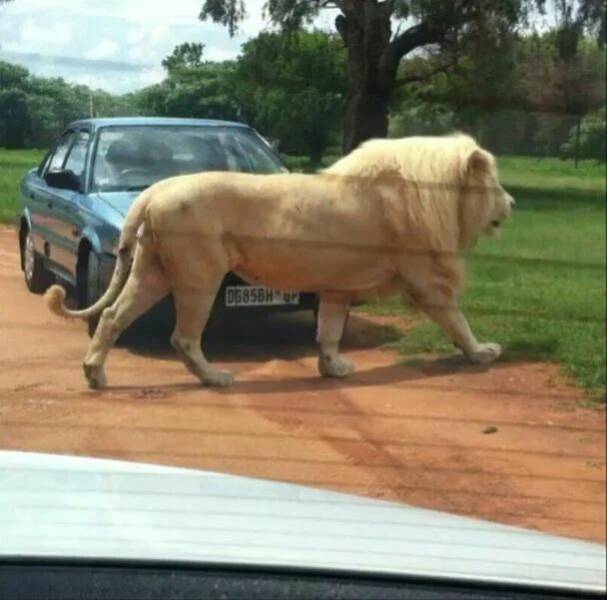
(68, 218)
(45, 199)
(34, 199)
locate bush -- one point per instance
(592, 138)
(297, 164)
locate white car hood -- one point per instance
(72, 507)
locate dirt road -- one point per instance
(509, 443)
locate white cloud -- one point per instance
(158, 33)
(151, 76)
(39, 34)
(135, 36)
(129, 31)
(104, 49)
(217, 54)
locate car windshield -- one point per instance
(135, 157)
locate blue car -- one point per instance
(73, 205)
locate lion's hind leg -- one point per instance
(193, 304)
(331, 320)
(145, 286)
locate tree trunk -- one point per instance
(366, 115)
(365, 29)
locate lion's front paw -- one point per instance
(334, 365)
(485, 353)
(216, 378)
(94, 376)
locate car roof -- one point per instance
(92, 124)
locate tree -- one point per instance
(589, 139)
(185, 58)
(573, 19)
(291, 88)
(193, 87)
(560, 90)
(14, 123)
(374, 52)
(35, 110)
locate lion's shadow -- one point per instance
(423, 371)
(288, 336)
(292, 337)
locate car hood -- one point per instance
(119, 201)
(74, 507)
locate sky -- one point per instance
(115, 45)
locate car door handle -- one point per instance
(50, 204)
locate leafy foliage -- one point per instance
(193, 87)
(291, 88)
(513, 91)
(365, 27)
(520, 98)
(34, 110)
(592, 138)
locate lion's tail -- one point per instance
(55, 295)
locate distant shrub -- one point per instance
(592, 138)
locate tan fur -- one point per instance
(392, 215)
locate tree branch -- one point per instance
(432, 31)
(341, 24)
(425, 76)
(415, 37)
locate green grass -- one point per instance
(13, 166)
(539, 289)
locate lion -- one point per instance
(392, 216)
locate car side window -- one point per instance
(77, 155)
(44, 164)
(253, 152)
(60, 153)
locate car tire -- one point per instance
(37, 278)
(92, 287)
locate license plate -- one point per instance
(258, 295)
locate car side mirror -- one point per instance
(64, 180)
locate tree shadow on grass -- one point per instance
(548, 199)
(533, 349)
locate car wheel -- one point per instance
(92, 288)
(37, 278)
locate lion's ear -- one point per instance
(480, 162)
